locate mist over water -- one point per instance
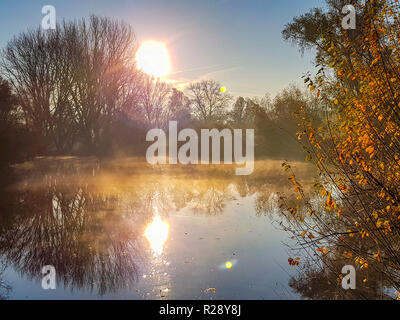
(125, 229)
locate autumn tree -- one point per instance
(357, 148)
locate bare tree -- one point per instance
(157, 103)
(208, 102)
(71, 82)
(104, 75)
(40, 85)
(152, 108)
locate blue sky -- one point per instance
(237, 42)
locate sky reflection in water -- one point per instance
(121, 230)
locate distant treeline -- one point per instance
(76, 90)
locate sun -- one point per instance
(152, 57)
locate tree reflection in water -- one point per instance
(87, 218)
(326, 252)
(5, 288)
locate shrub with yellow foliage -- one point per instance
(357, 149)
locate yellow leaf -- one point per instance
(370, 149)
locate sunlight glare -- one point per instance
(153, 58)
(157, 233)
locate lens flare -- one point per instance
(228, 265)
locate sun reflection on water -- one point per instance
(157, 233)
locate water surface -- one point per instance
(125, 230)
